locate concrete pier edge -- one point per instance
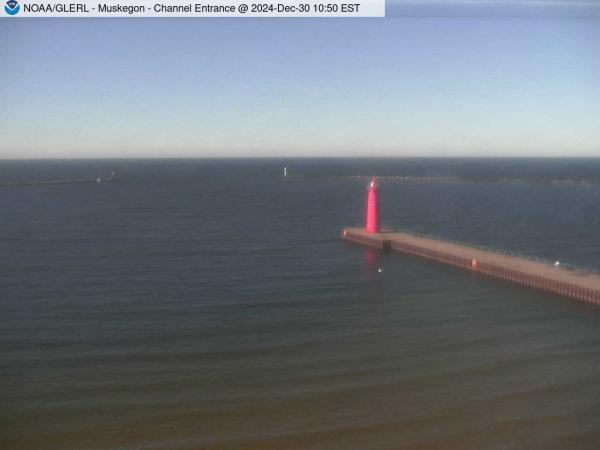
(580, 285)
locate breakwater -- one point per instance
(577, 284)
(64, 181)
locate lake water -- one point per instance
(211, 304)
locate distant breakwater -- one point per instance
(63, 181)
(456, 179)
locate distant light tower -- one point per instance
(284, 171)
(372, 225)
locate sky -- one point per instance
(434, 82)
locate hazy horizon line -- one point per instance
(123, 158)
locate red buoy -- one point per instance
(372, 225)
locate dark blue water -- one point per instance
(211, 304)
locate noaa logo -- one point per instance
(12, 7)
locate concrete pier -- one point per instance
(580, 285)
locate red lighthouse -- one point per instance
(372, 225)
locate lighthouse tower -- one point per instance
(372, 225)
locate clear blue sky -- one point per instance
(432, 86)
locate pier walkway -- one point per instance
(580, 285)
